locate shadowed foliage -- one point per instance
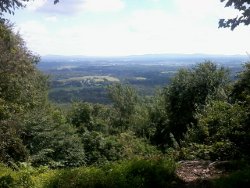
(243, 6)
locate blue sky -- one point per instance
(129, 27)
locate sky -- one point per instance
(129, 27)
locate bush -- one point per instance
(6, 181)
(135, 173)
(133, 146)
(237, 179)
(100, 149)
(20, 178)
(155, 172)
(220, 134)
(149, 173)
(80, 177)
(51, 141)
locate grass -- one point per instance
(92, 78)
(140, 78)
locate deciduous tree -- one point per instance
(243, 6)
(21, 84)
(22, 89)
(190, 90)
(125, 99)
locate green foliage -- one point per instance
(133, 146)
(130, 112)
(22, 88)
(125, 99)
(90, 117)
(158, 172)
(140, 122)
(81, 177)
(12, 148)
(190, 90)
(100, 149)
(52, 141)
(159, 121)
(21, 84)
(239, 178)
(241, 89)
(135, 173)
(6, 181)
(102, 140)
(20, 178)
(142, 173)
(221, 132)
(81, 115)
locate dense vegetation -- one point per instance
(131, 143)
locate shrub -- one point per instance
(134, 173)
(237, 179)
(149, 173)
(80, 177)
(156, 172)
(6, 181)
(220, 134)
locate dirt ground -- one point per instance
(199, 173)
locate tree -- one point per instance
(241, 89)
(241, 93)
(12, 148)
(89, 117)
(22, 89)
(189, 91)
(243, 6)
(124, 99)
(222, 132)
(22, 86)
(51, 140)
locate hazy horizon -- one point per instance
(141, 55)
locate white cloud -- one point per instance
(76, 6)
(32, 28)
(36, 4)
(156, 1)
(192, 28)
(51, 19)
(36, 35)
(63, 7)
(103, 5)
(202, 10)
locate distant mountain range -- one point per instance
(147, 57)
(58, 61)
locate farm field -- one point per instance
(87, 78)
